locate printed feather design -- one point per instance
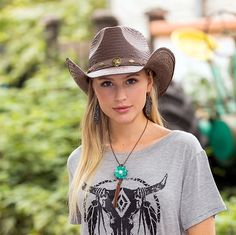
(92, 217)
(150, 217)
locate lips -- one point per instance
(122, 109)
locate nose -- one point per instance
(120, 94)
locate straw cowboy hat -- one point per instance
(121, 50)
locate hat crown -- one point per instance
(118, 42)
(123, 50)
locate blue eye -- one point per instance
(131, 81)
(106, 84)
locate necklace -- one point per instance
(121, 171)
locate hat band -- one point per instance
(117, 61)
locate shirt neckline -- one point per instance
(146, 148)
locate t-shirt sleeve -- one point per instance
(200, 197)
(71, 167)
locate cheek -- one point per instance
(104, 98)
(139, 95)
(100, 94)
(138, 98)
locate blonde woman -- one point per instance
(131, 175)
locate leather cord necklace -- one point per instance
(121, 171)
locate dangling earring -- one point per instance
(148, 106)
(96, 114)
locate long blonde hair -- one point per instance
(94, 136)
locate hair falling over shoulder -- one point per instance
(93, 138)
(155, 115)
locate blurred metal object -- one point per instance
(200, 45)
(220, 129)
(222, 138)
(163, 28)
(178, 111)
(51, 32)
(157, 14)
(103, 18)
(194, 43)
(201, 7)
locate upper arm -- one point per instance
(206, 227)
(200, 198)
(72, 163)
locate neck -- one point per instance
(125, 135)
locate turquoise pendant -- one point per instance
(120, 172)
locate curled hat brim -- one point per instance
(161, 62)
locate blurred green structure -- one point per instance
(220, 127)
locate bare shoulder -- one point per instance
(73, 159)
(156, 132)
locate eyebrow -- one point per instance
(127, 76)
(133, 74)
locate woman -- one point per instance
(131, 175)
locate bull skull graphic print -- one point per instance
(134, 213)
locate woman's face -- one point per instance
(122, 97)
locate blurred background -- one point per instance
(41, 107)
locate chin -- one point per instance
(123, 120)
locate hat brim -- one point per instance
(115, 70)
(161, 62)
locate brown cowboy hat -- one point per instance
(121, 50)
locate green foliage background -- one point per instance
(40, 112)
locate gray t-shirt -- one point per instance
(169, 188)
